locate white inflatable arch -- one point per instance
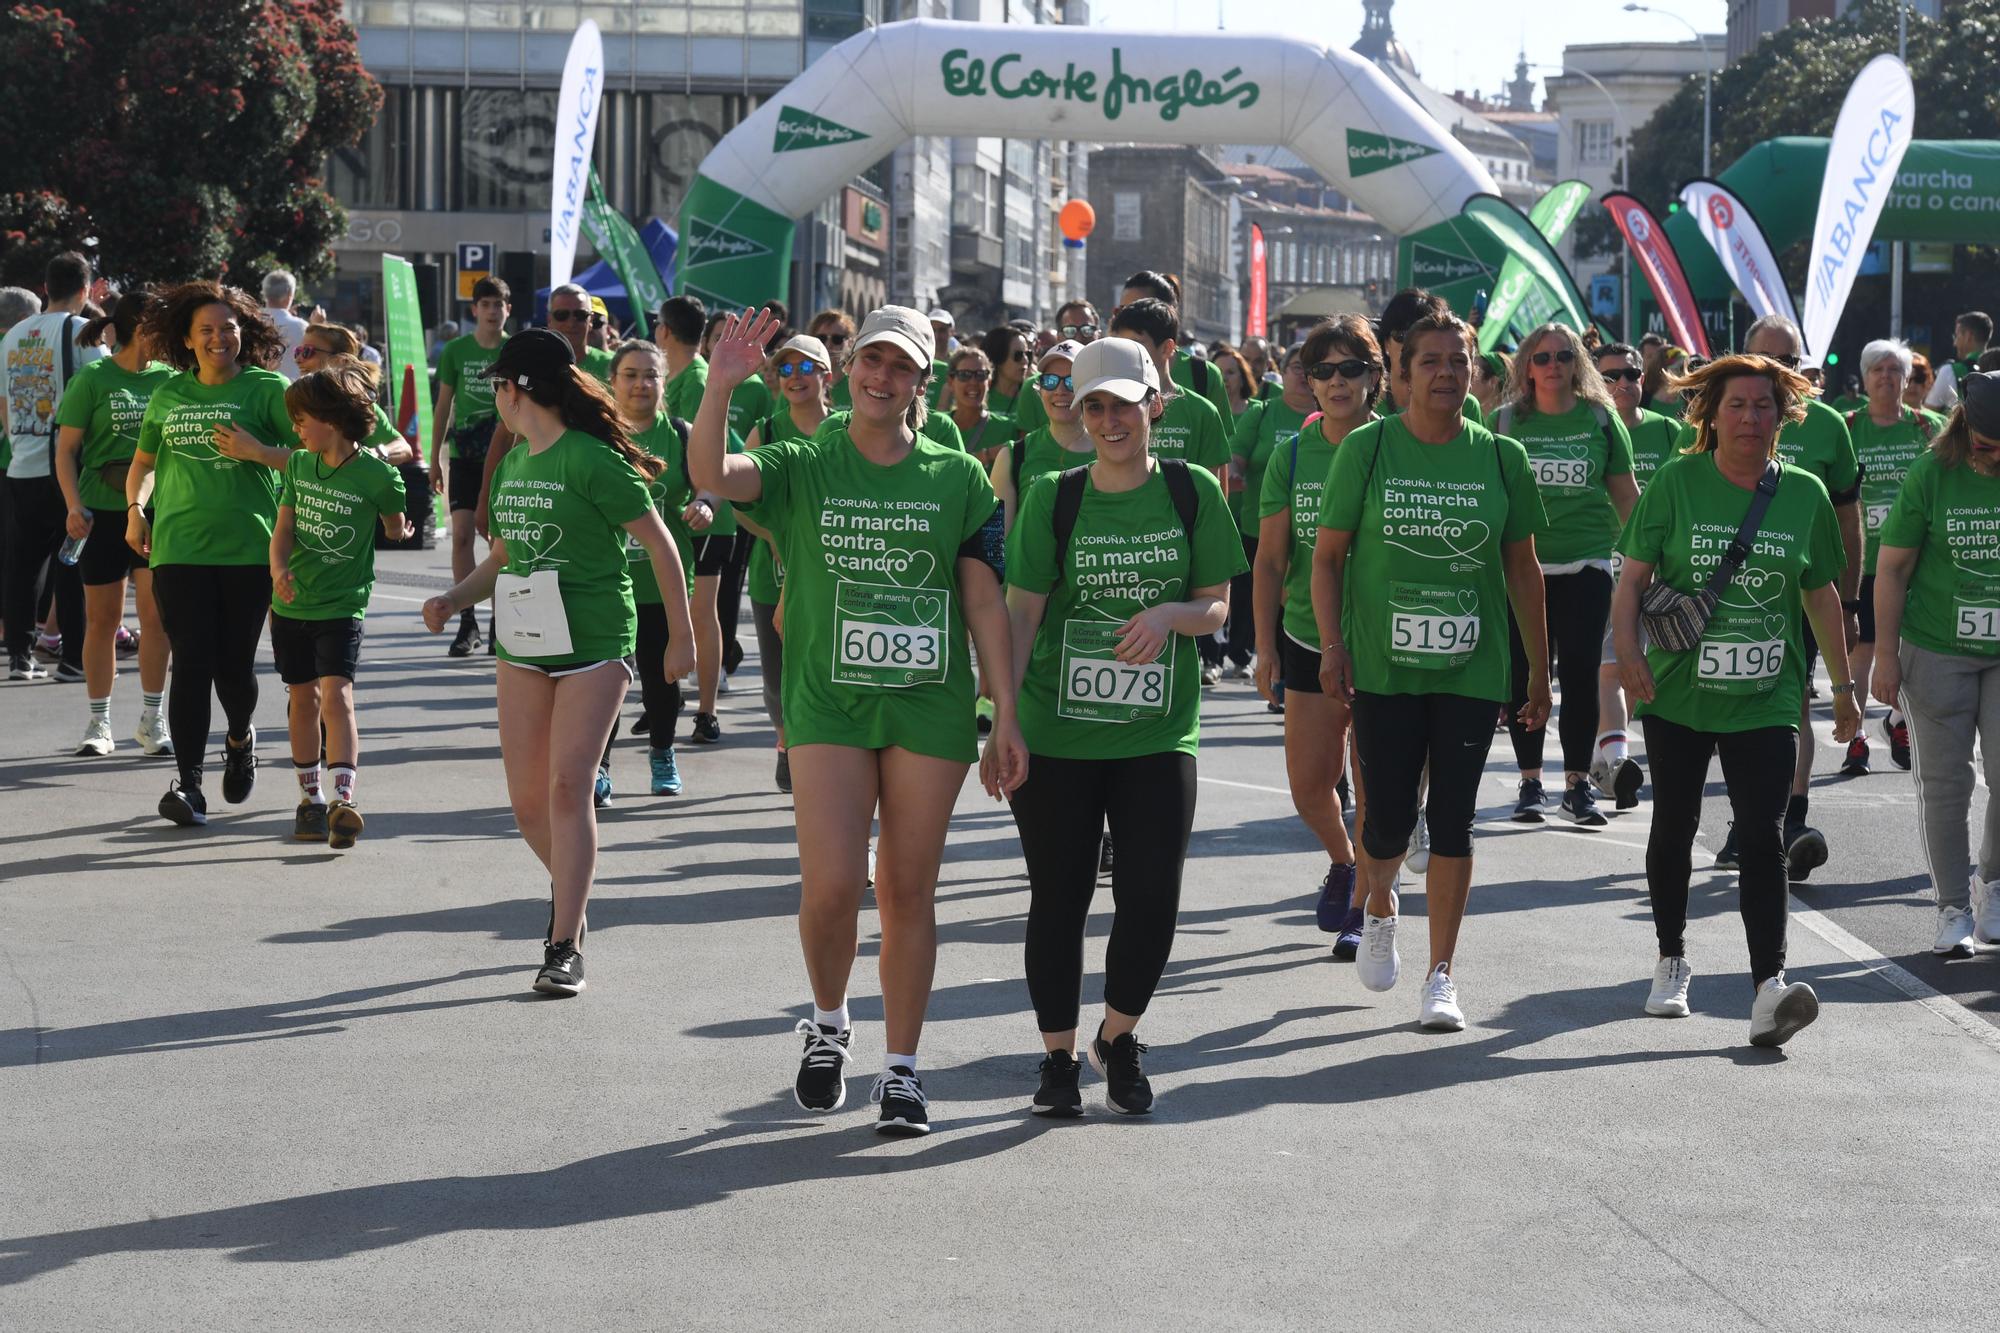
(880, 88)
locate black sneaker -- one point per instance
(641, 724)
(1106, 858)
(493, 634)
(821, 1084)
(466, 641)
(1626, 780)
(65, 674)
(343, 826)
(562, 969)
(23, 666)
(309, 821)
(1060, 1097)
(905, 1109)
(239, 769)
(707, 730)
(1856, 765)
(783, 777)
(732, 656)
(185, 806)
(1727, 859)
(1897, 732)
(1579, 806)
(1805, 850)
(1528, 809)
(1126, 1090)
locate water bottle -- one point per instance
(71, 550)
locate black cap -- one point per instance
(533, 356)
(1981, 394)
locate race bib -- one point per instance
(529, 615)
(1561, 473)
(1096, 687)
(1877, 515)
(1740, 666)
(1976, 614)
(1432, 628)
(887, 636)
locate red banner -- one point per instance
(1662, 267)
(1257, 323)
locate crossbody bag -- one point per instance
(1675, 620)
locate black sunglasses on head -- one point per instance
(1630, 374)
(1353, 368)
(1564, 357)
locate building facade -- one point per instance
(1750, 21)
(1166, 209)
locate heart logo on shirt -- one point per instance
(918, 566)
(1468, 602)
(1572, 450)
(329, 541)
(929, 609)
(1755, 589)
(537, 540)
(1774, 627)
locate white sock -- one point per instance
(309, 781)
(832, 1018)
(908, 1062)
(1612, 745)
(1895, 717)
(343, 781)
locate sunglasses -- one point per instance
(1920, 376)
(1695, 363)
(1353, 368)
(1054, 382)
(567, 316)
(834, 339)
(971, 376)
(1562, 358)
(597, 321)
(1787, 360)
(305, 351)
(1627, 373)
(787, 369)
(1079, 331)
(1021, 354)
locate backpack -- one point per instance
(1198, 371)
(1069, 501)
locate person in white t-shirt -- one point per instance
(1969, 336)
(280, 287)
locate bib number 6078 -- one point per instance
(1117, 682)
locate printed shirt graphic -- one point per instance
(1426, 604)
(1571, 460)
(765, 579)
(334, 513)
(1041, 454)
(1265, 431)
(1749, 669)
(1303, 494)
(565, 509)
(107, 402)
(1127, 552)
(1950, 516)
(1885, 454)
(31, 371)
(1190, 430)
(462, 368)
(1654, 445)
(209, 509)
(875, 644)
(671, 494)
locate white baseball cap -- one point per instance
(1117, 366)
(903, 327)
(1065, 350)
(942, 316)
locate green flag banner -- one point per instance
(1511, 227)
(408, 370)
(1514, 294)
(619, 243)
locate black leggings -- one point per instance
(34, 532)
(770, 661)
(729, 598)
(1395, 737)
(660, 696)
(1243, 610)
(1757, 770)
(1061, 811)
(214, 617)
(1579, 604)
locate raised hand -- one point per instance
(738, 352)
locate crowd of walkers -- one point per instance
(1030, 551)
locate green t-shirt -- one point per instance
(1573, 456)
(1950, 516)
(1820, 444)
(1750, 668)
(937, 428)
(565, 509)
(1189, 429)
(765, 578)
(1127, 552)
(334, 513)
(1653, 445)
(1041, 454)
(208, 509)
(1470, 411)
(875, 645)
(107, 402)
(597, 361)
(749, 403)
(992, 431)
(1181, 371)
(1264, 429)
(840, 397)
(1005, 404)
(1426, 604)
(462, 367)
(681, 395)
(1299, 488)
(1030, 412)
(1885, 453)
(671, 492)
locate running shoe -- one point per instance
(905, 1109)
(309, 821)
(562, 969)
(1986, 925)
(239, 769)
(1377, 963)
(65, 674)
(1856, 763)
(23, 666)
(1236, 671)
(722, 684)
(343, 826)
(1106, 858)
(466, 641)
(783, 775)
(707, 731)
(1418, 859)
(732, 656)
(152, 734)
(1600, 772)
(1276, 706)
(1669, 996)
(1805, 850)
(1348, 942)
(641, 724)
(1626, 779)
(48, 645)
(1439, 1011)
(1898, 734)
(126, 644)
(1954, 933)
(96, 737)
(1781, 1011)
(1126, 1089)
(820, 1085)
(1579, 806)
(1060, 1097)
(600, 790)
(1528, 809)
(666, 771)
(1727, 858)
(1211, 674)
(185, 806)
(1336, 892)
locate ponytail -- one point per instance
(123, 321)
(586, 406)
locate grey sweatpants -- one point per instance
(1950, 700)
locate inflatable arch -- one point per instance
(878, 89)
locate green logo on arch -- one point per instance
(802, 129)
(1369, 153)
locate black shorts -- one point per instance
(1298, 666)
(574, 667)
(106, 558)
(310, 650)
(1867, 616)
(468, 463)
(711, 553)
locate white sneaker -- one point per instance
(1439, 1011)
(1670, 989)
(1600, 773)
(1378, 964)
(722, 686)
(1781, 1011)
(1986, 926)
(96, 737)
(1211, 675)
(152, 734)
(1419, 858)
(1954, 933)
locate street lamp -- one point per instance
(1707, 76)
(1624, 183)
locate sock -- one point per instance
(308, 775)
(1895, 717)
(149, 703)
(1612, 745)
(908, 1062)
(100, 709)
(343, 781)
(1795, 810)
(832, 1018)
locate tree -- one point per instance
(184, 140)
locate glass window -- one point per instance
(438, 14)
(676, 130)
(549, 18)
(1593, 141)
(506, 147)
(367, 175)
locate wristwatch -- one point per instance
(1845, 687)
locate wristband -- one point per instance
(1331, 646)
(1851, 605)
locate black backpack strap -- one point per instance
(1180, 486)
(1014, 456)
(1198, 371)
(1069, 501)
(1738, 552)
(68, 349)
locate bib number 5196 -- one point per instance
(1979, 624)
(1742, 661)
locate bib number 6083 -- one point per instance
(863, 644)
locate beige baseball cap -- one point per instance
(1065, 350)
(1117, 366)
(907, 329)
(806, 346)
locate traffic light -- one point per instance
(1833, 358)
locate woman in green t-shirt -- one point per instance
(1937, 635)
(1426, 539)
(892, 549)
(209, 535)
(97, 433)
(1058, 445)
(562, 504)
(1263, 431)
(1007, 352)
(1737, 692)
(1112, 572)
(968, 381)
(1342, 362)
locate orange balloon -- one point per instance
(1077, 219)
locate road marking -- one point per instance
(1248, 786)
(1945, 1007)
(391, 597)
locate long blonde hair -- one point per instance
(1584, 378)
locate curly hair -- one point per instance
(341, 393)
(1703, 391)
(169, 323)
